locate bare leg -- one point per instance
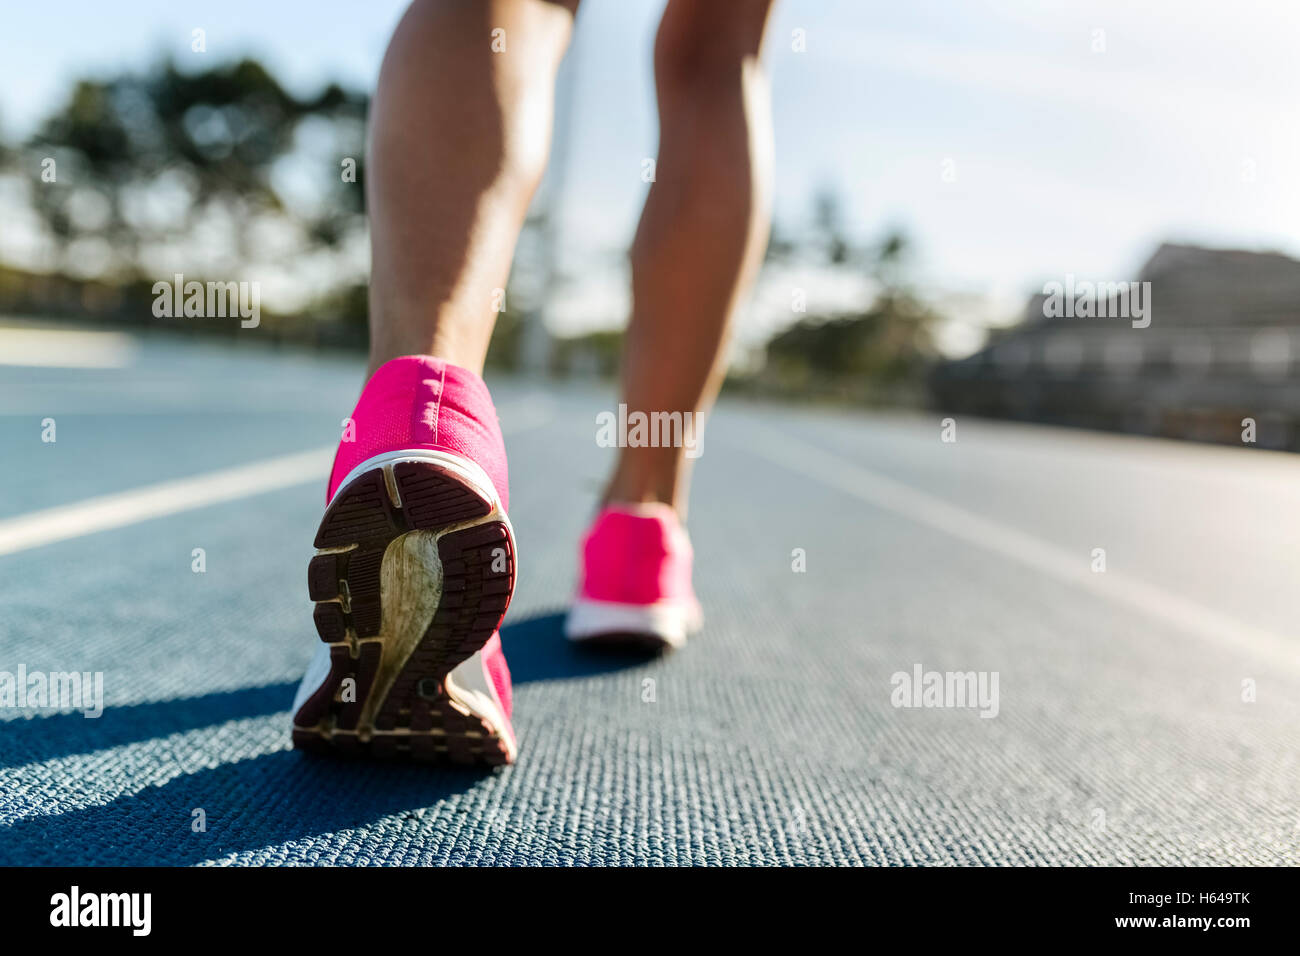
(703, 230)
(458, 142)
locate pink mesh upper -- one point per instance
(494, 662)
(420, 402)
(636, 554)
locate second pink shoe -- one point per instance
(635, 580)
(413, 572)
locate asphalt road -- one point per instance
(1146, 713)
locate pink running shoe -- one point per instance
(636, 580)
(414, 568)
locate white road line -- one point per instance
(165, 498)
(1056, 562)
(65, 348)
(185, 494)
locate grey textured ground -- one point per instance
(1122, 735)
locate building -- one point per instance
(1221, 344)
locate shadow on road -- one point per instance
(263, 801)
(61, 735)
(537, 650)
(273, 799)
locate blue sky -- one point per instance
(1062, 157)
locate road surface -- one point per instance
(1145, 713)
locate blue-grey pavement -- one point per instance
(1125, 731)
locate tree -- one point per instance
(144, 159)
(885, 346)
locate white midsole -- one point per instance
(461, 466)
(470, 684)
(671, 621)
(317, 671)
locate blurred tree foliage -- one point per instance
(146, 157)
(881, 352)
(158, 159)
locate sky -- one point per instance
(1015, 141)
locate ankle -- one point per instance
(449, 342)
(631, 495)
(647, 482)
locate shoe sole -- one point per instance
(642, 627)
(414, 570)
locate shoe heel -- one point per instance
(414, 572)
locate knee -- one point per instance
(702, 43)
